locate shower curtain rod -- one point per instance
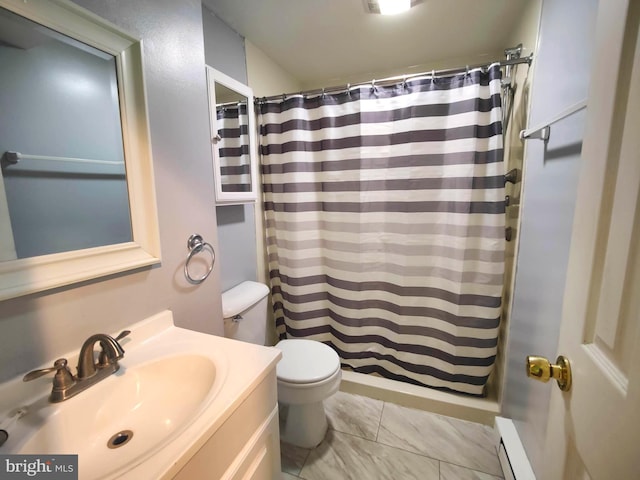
(390, 80)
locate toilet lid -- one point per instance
(306, 361)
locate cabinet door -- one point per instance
(263, 459)
(233, 139)
(246, 445)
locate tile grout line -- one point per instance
(394, 447)
(412, 452)
(380, 421)
(305, 460)
(453, 424)
(431, 458)
(473, 469)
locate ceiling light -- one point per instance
(392, 7)
(389, 7)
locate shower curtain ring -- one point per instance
(467, 74)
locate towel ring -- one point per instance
(196, 244)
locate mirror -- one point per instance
(62, 161)
(77, 198)
(232, 122)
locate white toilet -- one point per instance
(308, 373)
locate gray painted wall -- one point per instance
(224, 51)
(562, 68)
(41, 327)
(60, 206)
(223, 47)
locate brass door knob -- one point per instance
(539, 368)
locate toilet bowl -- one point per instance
(308, 373)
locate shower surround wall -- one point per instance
(526, 33)
(38, 328)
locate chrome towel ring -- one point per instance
(196, 244)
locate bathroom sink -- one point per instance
(126, 417)
(175, 388)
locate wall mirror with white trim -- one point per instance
(77, 198)
(233, 143)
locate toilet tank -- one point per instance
(245, 312)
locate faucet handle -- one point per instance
(103, 358)
(122, 334)
(62, 379)
(58, 364)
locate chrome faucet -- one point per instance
(90, 372)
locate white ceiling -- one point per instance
(322, 42)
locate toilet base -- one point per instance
(303, 425)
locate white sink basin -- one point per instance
(151, 403)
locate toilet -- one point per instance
(308, 373)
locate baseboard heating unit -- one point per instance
(513, 458)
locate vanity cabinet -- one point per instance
(247, 445)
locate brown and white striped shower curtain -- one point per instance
(385, 225)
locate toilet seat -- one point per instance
(306, 361)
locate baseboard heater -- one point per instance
(513, 458)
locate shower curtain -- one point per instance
(384, 211)
(233, 129)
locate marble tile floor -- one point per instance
(374, 440)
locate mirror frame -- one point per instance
(30, 275)
(230, 198)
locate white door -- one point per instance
(594, 429)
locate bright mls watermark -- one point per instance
(51, 467)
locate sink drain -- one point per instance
(120, 439)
